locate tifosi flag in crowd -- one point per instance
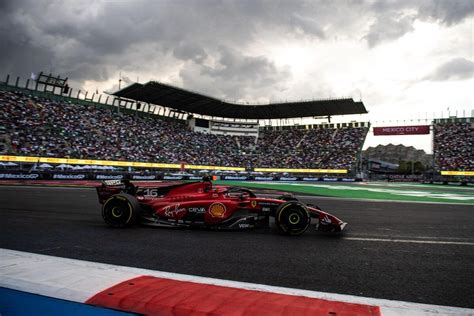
(402, 130)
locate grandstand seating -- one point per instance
(45, 127)
(453, 146)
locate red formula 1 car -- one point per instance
(200, 204)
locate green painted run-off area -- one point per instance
(370, 191)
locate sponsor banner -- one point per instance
(19, 159)
(348, 180)
(143, 177)
(287, 179)
(234, 178)
(108, 176)
(402, 130)
(457, 173)
(21, 176)
(173, 178)
(330, 179)
(404, 177)
(259, 178)
(111, 163)
(199, 167)
(62, 176)
(300, 170)
(310, 179)
(194, 178)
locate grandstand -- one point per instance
(44, 127)
(129, 131)
(454, 144)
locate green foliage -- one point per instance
(409, 167)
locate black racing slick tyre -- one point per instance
(120, 210)
(292, 218)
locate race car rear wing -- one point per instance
(111, 187)
(112, 182)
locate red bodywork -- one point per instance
(212, 206)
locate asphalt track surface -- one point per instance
(403, 251)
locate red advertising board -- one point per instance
(402, 130)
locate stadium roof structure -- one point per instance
(191, 102)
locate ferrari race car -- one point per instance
(200, 204)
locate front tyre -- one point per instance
(292, 218)
(120, 210)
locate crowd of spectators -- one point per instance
(44, 127)
(454, 146)
(313, 148)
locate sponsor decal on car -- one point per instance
(253, 203)
(217, 210)
(244, 225)
(173, 210)
(198, 210)
(268, 203)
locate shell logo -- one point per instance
(217, 210)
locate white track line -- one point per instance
(77, 280)
(413, 241)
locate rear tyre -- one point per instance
(292, 218)
(120, 210)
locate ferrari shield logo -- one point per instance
(253, 203)
(217, 210)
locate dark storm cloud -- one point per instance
(447, 12)
(395, 18)
(189, 51)
(235, 75)
(87, 40)
(91, 40)
(455, 69)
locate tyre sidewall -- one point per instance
(118, 211)
(292, 218)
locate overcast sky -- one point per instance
(405, 59)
